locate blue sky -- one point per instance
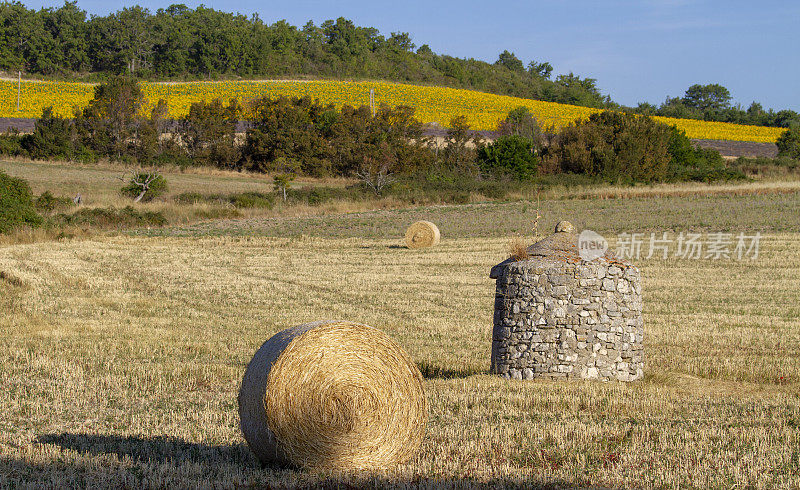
(637, 50)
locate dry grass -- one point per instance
(121, 358)
(518, 248)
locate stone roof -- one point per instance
(561, 246)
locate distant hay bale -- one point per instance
(422, 234)
(332, 395)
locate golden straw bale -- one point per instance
(332, 395)
(422, 234)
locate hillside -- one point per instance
(178, 42)
(433, 104)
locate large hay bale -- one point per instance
(422, 234)
(332, 395)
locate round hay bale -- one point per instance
(422, 234)
(332, 395)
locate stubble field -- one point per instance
(121, 356)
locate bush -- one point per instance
(48, 203)
(208, 132)
(514, 154)
(447, 187)
(690, 163)
(11, 144)
(145, 186)
(766, 167)
(789, 143)
(316, 196)
(241, 200)
(189, 198)
(52, 137)
(252, 200)
(16, 204)
(109, 218)
(615, 146)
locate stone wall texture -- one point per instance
(557, 317)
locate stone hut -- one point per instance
(558, 315)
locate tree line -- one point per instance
(181, 42)
(286, 137)
(712, 102)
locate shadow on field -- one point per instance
(150, 449)
(83, 474)
(166, 462)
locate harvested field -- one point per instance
(121, 356)
(770, 209)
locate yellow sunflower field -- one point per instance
(433, 104)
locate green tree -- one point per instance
(615, 146)
(16, 204)
(789, 143)
(460, 154)
(208, 133)
(52, 137)
(512, 154)
(510, 61)
(540, 69)
(110, 120)
(521, 122)
(288, 128)
(67, 26)
(147, 143)
(711, 97)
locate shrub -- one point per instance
(51, 138)
(145, 186)
(566, 180)
(615, 146)
(16, 204)
(241, 200)
(317, 197)
(11, 143)
(209, 133)
(789, 143)
(126, 217)
(217, 213)
(189, 198)
(447, 187)
(48, 203)
(521, 122)
(252, 200)
(690, 163)
(492, 189)
(512, 154)
(108, 124)
(765, 167)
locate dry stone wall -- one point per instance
(563, 317)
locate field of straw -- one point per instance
(121, 355)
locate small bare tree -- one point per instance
(281, 182)
(141, 182)
(376, 170)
